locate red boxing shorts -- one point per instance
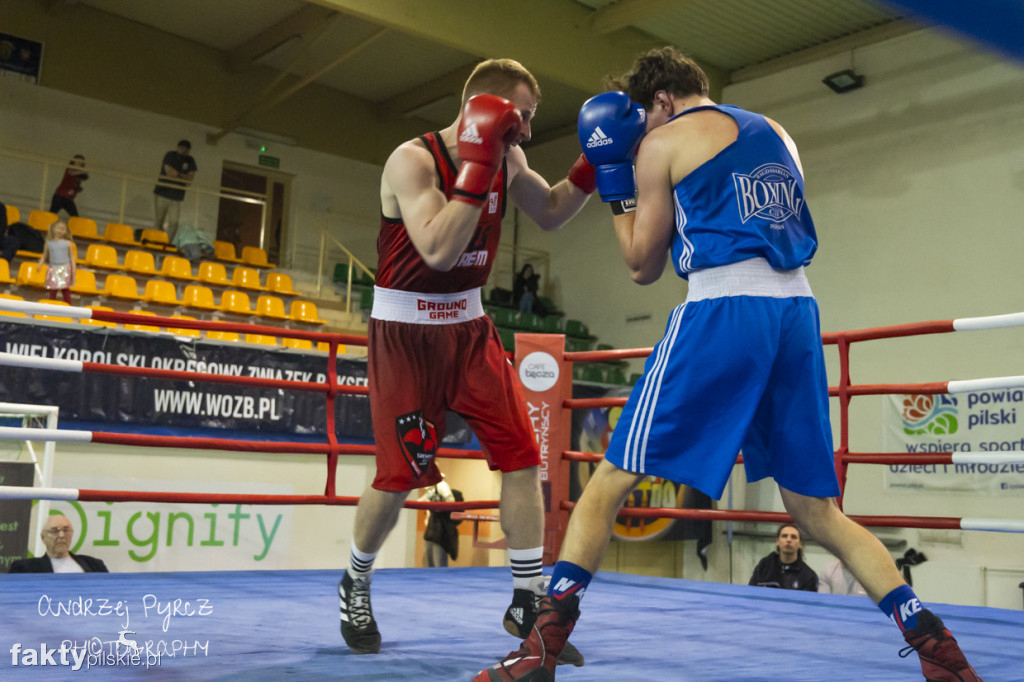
(429, 353)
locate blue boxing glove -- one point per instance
(610, 127)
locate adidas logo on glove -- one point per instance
(598, 139)
(471, 135)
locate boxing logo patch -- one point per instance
(769, 192)
(418, 439)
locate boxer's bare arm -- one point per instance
(439, 229)
(549, 207)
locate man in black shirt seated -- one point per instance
(785, 568)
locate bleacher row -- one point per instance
(132, 277)
(262, 339)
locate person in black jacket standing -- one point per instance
(57, 536)
(785, 568)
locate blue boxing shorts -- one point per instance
(741, 367)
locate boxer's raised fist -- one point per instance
(610, 126)
(488, 126)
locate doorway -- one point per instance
(244, 223)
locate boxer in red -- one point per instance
(431, 347)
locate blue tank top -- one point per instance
(746, 202)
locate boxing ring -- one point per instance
(279, 624)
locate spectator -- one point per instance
(785, 567)
(59, 254)
(57, 536)
(192, 243)
(837, 579)
(441, 537)
(176, 172)
(70, 187)
(525, 291)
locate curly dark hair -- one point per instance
(663, 68)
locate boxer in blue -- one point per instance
(740, 366)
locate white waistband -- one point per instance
(754, 277)
(392, 305)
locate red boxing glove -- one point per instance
(582, 175)
(489, 124)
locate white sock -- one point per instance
(526, 564)
(360, 563)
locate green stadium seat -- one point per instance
(528, 322)
(576, 329)
(508, 338)
(366, 299)
(553, 324)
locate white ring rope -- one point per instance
(970, 324)
(32, 308)
(986, 458)
(984, 384)
(57, 435)
(15, 492)
(993, 525)
(36, 362)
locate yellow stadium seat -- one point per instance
(140, 262)
(41, 220)
(271, 307)
(123, 287)
(13, 214)
(9, 313)
(305, 312)
(225, 251)
(253, 255)
(199, 297)
(235, 302)
(142, 327)
(31, 274)
(85, 283)
(98, 323)
(300, 344)
(213, 273)
(222, 336)
(280, 283)
(53, 318)
(181, 331)
(103, 256)
(176, 267)
(161, 292)
(155, 238)
(261, 339)
(5, 272)
(246, 278)
(83, 228)
(120, 234)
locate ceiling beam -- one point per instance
(893, 29)
(619, 15)
(293, 26)
(450, 83)
(266, 103)
(549, 37)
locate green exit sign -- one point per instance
(270, 161)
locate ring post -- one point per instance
(546, 379)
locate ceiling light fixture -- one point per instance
(844, 81)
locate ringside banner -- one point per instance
(978, 422)
(179, 404)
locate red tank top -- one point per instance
(399, 265)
